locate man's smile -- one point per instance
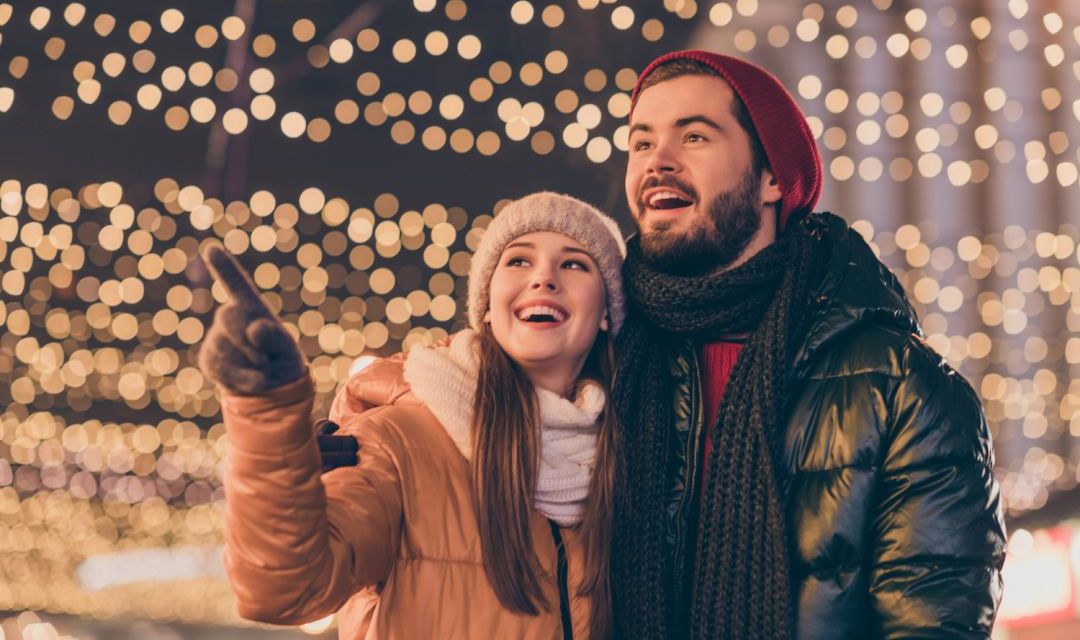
(666, 201)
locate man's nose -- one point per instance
(663, 159)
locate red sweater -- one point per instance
(717, 362)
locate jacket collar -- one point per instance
(857, 290)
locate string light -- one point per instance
(469, 47)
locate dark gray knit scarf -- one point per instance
(741, 588)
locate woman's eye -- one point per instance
(515, 262)
(575, 264)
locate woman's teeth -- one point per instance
(540, 313)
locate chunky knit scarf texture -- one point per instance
(740, 583)
(444, 379)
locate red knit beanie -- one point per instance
(789, 146)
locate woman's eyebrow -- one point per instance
(582, 252)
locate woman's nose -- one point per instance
(543, 280)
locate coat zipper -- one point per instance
(693, 446)
(564, 591)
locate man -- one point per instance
(795, 461)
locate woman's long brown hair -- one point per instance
(506, 453)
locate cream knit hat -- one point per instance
(547, 211)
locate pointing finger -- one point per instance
(233, 277)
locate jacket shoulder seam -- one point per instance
(937, 463)
(838, 468)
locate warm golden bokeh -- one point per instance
(104, 302)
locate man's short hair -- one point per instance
(685, 67)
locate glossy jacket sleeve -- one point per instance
(939, 540)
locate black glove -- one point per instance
(336, 451)
(247, 349)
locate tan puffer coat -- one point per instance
(393, 542)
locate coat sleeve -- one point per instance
(380, 384)
(939, 539)
(298, 545)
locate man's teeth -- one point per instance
(538, 310)
(660, 196)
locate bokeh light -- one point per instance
(963, 174)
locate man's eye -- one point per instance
(641, 146)
(695, 137)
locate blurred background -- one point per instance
(351, 154)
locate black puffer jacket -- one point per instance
(893, 510)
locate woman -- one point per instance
(480, 504)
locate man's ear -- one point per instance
(770, 188)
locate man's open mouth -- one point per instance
(666, 200)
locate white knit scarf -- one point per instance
(444, 379)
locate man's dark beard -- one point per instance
(731, 220)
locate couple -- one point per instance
(753, 443)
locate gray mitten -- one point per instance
(247, 349)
